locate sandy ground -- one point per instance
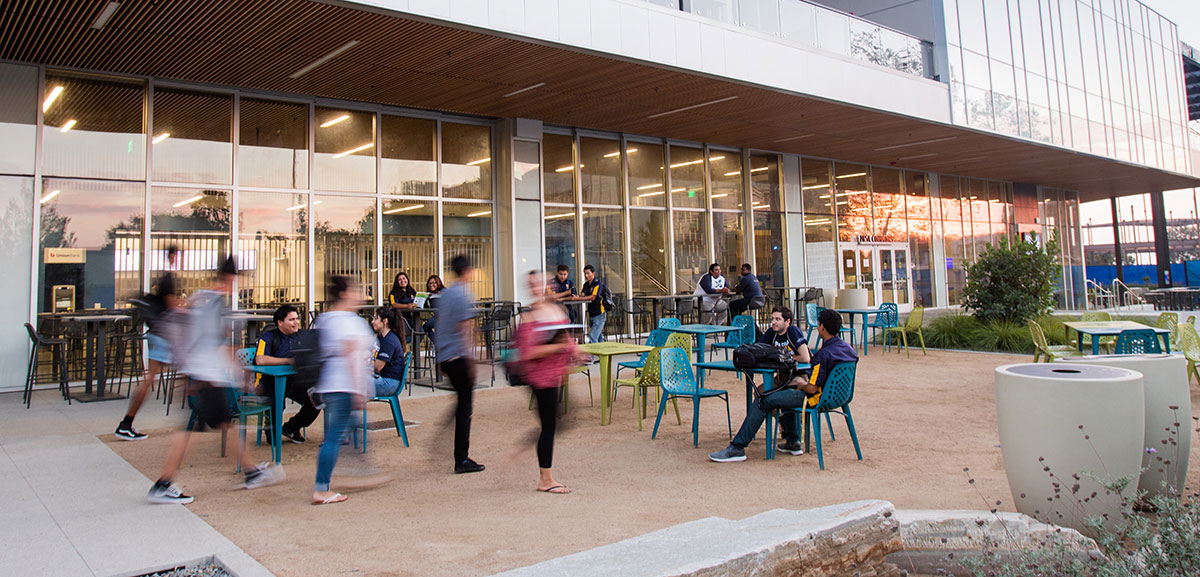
(920, 422)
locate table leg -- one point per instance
(1095, 344)
(1078, 339)
(101, 345)
(277, 419)
(605, 387)
(864, 334)
(700, 356)
(89, 356)
(749, 390)
(1166, 343)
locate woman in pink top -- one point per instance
(545, 354)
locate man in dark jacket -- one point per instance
(275, 348)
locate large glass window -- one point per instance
(559, 176)
(888, 205)
(273, 144)
(343, 242)
(560, 238)
(769, 257)
(273, 249)
(466, 161)
(764, 182)
(920, 236)
(197, 222)
(90, 242)
(345, 150)
(725, 177)
(687, 177)
(604, 247)
(728, 239)
(646, 175)
(409, 241)
(467, 229)
(820, 244)
(600, 170)
(691, 250)
(93, 128)
(953, 233)
(18, 118)
(853, 201)
(193, 132)
(648, 239)
(409, 156)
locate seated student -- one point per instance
(748, 288)
(403, 297)
(785, 335)
(833, 351)
(275, 348)
(714, 309)
(434, 287)
(388, 360)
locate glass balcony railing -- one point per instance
(805, 24)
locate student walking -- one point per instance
(166, 300)
(455, 344)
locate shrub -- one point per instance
(1006, 336)
(1012, 282)
(951, 331)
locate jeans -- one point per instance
(596, 328)
(458, 371)
(337, 413)
(785, 399)
(386, 387)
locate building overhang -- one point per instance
(405, 61)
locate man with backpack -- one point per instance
(156, 310)
(278, 347)
(806, 391)
(599, 302)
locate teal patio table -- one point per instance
(1097, 329)
(701, 331)
(606, 351)
(866, 314)
(280, 374)
(767, 374)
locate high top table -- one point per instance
(96, 340)
(606, 351)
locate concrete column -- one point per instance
(1162, 248)
(1118, 257)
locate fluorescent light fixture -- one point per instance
(649, 186)
(761, 205)
(759, 169)
(722, 157)
(691, 162)
(50, 98)
(816, 222)
(68, 126)
(659, 193)
(329, 123)
(566, 168)
(297, 207)
(478, 162)
(326, 58)
(480, 213)
(852, 175)
(105, 15)
(722, 195)
(50, 195)
(918, 156)
(188, 201)
(734, 173)
(678, 189)
(630, 150)
(918, 143)
(404, 209)
(814, 187)
(618, 153)
(526, 89)
(548, 217)
(353, 150)
(692, 107)
(161, 137)
(793, 138)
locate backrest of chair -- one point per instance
(915, 319)
(668, 322)
(1138, 341)
(1189, 342)
(839, 387)
(33, 336)
(1169, 321)
(245, 356)
(746, 333)
(679, 341)
(649, 375)
(1039, 337)
(1095, 316)
(811, 312)
(889, 314)
(658, 337)
(675, 371)
(686, 306)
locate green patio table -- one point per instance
(280, 372)
(606, 351)
(1097, 329)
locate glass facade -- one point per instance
(1099, 77)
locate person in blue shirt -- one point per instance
(562, 289)
(275, 348)
(748, 288)
(455, 348)
(403, 298)
(833, 352)
(388, 360)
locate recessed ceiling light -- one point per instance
(335, 121)
(50, 195)
(68, 126)
(480, 213)
(917, 156)
(404, 209)
(355, 149)
(105, 15)
(649, 186)
(188, 201)
(852, 175)
(692, 107)
(526, 89)
(793, 138)
(326, 58)
(161, 137)
(50, 98)
(478, 162)
(917, 143)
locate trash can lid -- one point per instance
(1074, 371)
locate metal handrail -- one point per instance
(1100, 295)
(1127, 297)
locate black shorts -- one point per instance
(212, 406)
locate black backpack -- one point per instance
(149, 307)
(606, 299)
(766, 356)
(307, 359)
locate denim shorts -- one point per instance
(158, 349)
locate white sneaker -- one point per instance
(171, 494)
(267, 474)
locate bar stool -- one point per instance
(57, 350)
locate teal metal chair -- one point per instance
(743, 336)
(657, 338)
(811, 312)
(835, 398)
(668, 322)
(1138, 342)
(888, 318)
(394, 401)
(675, 378)
(248, 406)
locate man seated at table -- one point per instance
(275, 348)
(748, 288)
(715, 307)
(807, 393)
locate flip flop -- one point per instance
(335, 498)
(557, 490)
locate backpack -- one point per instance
(149, 307)
(307, 359)
(606, 299)
(766, 356)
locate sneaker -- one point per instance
(129, 434)
(265, 475)
(295, 437)
(729, 454)
(467, 466)
(161, 494)
(793, 447)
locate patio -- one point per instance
(917, 435)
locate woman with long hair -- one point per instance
(402, 295)
(389, 352)
(433, 285)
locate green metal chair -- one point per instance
(912, 325)
(1042, 347)
(1189, 346)
(675, 378)
(646, 379)
(1169, 321)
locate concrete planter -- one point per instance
(1040, 409)
(1168, 431)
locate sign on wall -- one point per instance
(65, 256)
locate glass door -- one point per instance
(892, 284)
(867, 280)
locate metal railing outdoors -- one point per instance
(805, 24)
(1127, 298)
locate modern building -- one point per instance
(647, 138)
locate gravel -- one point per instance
(207, 569)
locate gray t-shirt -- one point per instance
(204, 355)
(342, 330)
(454, 306)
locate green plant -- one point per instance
(1012, 282)
(1056, 331)
(951, 331)
(1002, 335)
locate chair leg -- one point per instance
(853, 434)
(63, 381)
(921, 336)
(907, 349)
(817, 440)
(662, 405)
(829, 423)
(591, 395)
(728, 418)
(30, 377)
(398, 417)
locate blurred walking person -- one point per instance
(203, 353)
(545, 352)
(346, 382)
(157, 314)
(455, 346)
